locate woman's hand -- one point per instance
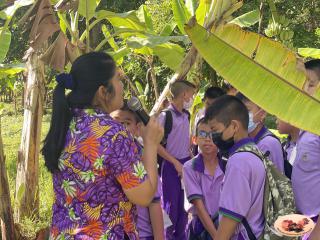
(152, 134)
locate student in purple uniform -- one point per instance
(265, 140)
(176, 153)
(202, 177)
(241, 199)
(306, 168)
(150, 219)
(291, 142)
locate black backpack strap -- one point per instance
(167, 125)
(248, 229)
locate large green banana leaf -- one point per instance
(265, 71)
(248, 19)
(180, 14)
(127, 20)
(5, 40)
(169, 53)
(309, 52)
(87, 8)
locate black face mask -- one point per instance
(223, 145)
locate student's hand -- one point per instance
(178, 166)
(152, 134)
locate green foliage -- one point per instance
(11, 134)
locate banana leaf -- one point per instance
(5, 40)
(180, 14)
(265, 71)
(309, 52)
(87, 8)
(247, 19)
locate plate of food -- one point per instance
(294, 225)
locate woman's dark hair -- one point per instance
(88, 73)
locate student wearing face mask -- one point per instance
(266, 141)
(175, 154)
(241, 198)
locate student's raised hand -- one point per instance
(178, 166)
(152, 133)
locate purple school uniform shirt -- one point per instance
(306, 174)
(178, 143)
(243, 189)
(143, 221)
(273, 146)
(199, 184)
(100, 159)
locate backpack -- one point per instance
(287, 165)
(168, 123)
(278, 196)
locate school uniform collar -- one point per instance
(198, 164)
(239, 144)
(175, 110)
(262, 131)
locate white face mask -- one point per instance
(188, 105)
(251, 125)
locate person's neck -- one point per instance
(210, 162)
(178, 105)
(255, 132)
(240, 135)
(294, 135)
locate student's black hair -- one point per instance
(313, 65)
(179, 87)
(214, 92)
(201, 121)
(127, 109)
(242, 97)
(88, 73)
(227, 108)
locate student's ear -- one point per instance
(194, 140)
(236, 125)
(262, 115)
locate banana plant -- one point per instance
(268, 73)
(309, 52)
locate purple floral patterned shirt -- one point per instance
(99, 160)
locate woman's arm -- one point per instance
(144, 192)
(204, 217)
(156, 218)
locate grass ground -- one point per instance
(11, 127)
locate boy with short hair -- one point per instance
(306, 168)
(203, 177)
(176, 153)
(266, 141)
(150, 220)
(241, 199)
(209, 96)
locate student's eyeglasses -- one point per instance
(204, 134)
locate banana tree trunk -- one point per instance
(28, 158)
(6, 217)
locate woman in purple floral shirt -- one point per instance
(98, 173)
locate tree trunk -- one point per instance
(6, 217)
(27, 192)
